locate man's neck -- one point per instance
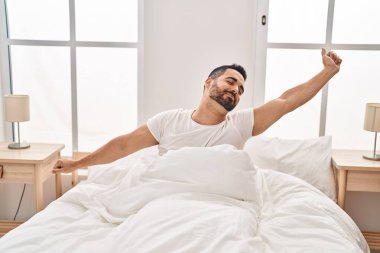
(208, 115)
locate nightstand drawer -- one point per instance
(17, 173)
(367, 181)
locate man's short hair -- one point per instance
(220, 71)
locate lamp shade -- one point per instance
(372, 117)
(16, 108)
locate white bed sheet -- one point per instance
(287, 215)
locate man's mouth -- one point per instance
(230, 95)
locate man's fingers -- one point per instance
(337, 60)
(332, 55)
(58, 167)
(323, 52)
(56, 171)
(63, 166)
(58, 164)
(61, 170)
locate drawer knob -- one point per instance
(1, 171)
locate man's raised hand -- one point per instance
(331, 60)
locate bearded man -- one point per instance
(212, 122)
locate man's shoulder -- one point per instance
(242, 117)
(173, 113)
(243, 120)
(241, 112)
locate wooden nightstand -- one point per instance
(29, 166)
(357, 174)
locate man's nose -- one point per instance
(235, 90)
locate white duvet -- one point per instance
(190, 200)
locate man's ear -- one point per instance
(208, 82)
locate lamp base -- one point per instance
(372, 157)
(17, 145)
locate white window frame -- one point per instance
(5, 61)
(262, 45)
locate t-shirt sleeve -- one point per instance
(243, 121)
(157, 124)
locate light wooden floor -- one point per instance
(373, 240)
(6, 226)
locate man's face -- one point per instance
(227, 89)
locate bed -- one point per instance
(212, 199)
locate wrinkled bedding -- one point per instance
(190, 200)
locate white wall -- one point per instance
(185, 40)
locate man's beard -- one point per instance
(217, 95)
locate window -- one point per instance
(291, 41)
(300, 65)
(106, 20)
(112, 103)
(44, 74)
(356, 22)
(38, 19)
(297, 21)
(77, 64)
(356, 85)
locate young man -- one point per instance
(211, 123)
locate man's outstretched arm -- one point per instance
(115, 149)
(270, 112)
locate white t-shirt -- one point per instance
(175, 129)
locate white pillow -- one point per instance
(308, 159)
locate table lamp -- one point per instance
(372, 124)
(17, 110)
